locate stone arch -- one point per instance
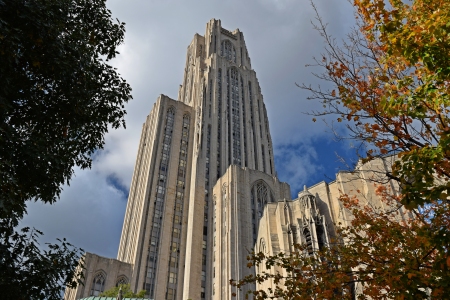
(262, 246)
(171, 109)
(261, 194)
(228, 50)
(121, 280)
(98, 283)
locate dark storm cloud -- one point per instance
(281, 41)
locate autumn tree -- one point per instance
(382, 258)
(390, 86)
(59, 97)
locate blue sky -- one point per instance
(281, 41)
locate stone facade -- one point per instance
(204, 191)
(218, 120)
(100, 274)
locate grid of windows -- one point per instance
(250, 96)
(210, 97)
(269, 146)
(234, 113)
(159, 204)
(219, 120)
(188, 80)
(228, 51)
(244, 123)
(308, 241)
(178, 208)
(206, 207)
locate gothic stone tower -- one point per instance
(186, 146)
(204, 191)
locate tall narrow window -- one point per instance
(263, 156)
(179, 200)
(219, 121)
(260, 195)
(98, 284)
(234, 116)
(244, 123)
(308, 240)
(160, 196)
(255, 149)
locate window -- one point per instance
(262, 194)
(203, 276)
(173, 262)
(98, 284)
(228, 51)
(233, 98)
(204, 244)
(170, 294)
(219, 119)
(172, 277)
(176, 233)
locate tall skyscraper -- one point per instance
(218, 120)
(204, 191)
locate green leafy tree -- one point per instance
(30, 272)
(126, 292)
(59, 97)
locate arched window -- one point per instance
(98, 284)
(228, 51)
(262, 194)
(308, 240)
(121, 280)
(262, 246)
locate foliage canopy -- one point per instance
(126, 292)
(59, 97)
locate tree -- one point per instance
(59, 97)
(59, 94)
(29, 272)
(126, 292)
(377, 254)
(390, 84)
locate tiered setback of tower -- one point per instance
(204, 191)
(167, 234)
